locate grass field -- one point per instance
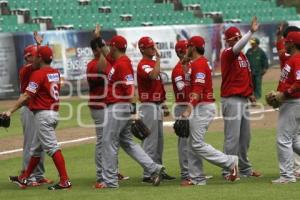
(81, 168)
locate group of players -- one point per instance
(110, 77)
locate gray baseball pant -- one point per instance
(45, 139)
(152, 116)
(201, 117)
(237, 131)
(98, 117)
(288, 139)
(29, 132)
(117, 133)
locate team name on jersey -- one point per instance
(53, 77)
(285, 73)
(200, 77)
(243, 63)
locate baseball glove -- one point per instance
(274, 99)
(139, 129)
(4, 121)
(182, 127)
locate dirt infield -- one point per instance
(15, 142)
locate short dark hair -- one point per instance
(94, 44)
(290, 29)
(200, 50)
(48, 62)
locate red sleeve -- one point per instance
(34, 84)
(198, 79)
(126, 75)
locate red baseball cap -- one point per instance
(119, 42)
(45, 53)
(293, 37)
(196, 41)
(145, 42)
(232, 32)
(30, 50)
(181, 46)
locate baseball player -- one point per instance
(201, 113)
(283, 57)
(97, 91)
(37, 177)
(289, 112)
(151, 95)
(236, 90)
(116, 132)
(43, 91)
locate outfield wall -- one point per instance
(72, 52)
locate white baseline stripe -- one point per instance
(167, 124)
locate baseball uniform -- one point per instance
(289, 117)
(236, 87)
(28, 129)
(117, 133)
(97, 92)
(151, 95)
(203, 114)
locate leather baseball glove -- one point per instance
(274, 99)
(4, 121)
(139, 129)
(182, 127)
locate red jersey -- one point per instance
(283, 56)
(97, 84)
(120, 81)
(181, 83)
(290, 75)
(236, 74)
(24, 75)
(44, 88)
(149, 90)
(201, 80)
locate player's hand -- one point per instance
(38, 38)
(97, 32)
(7, 113)
(185, 60)
(157, 54)
(165, 110)
(186, 114)
(252, 99)
(254, 24)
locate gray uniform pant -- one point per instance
(29, 132)
(117, 133)
(237, 131)
(45, 139)
(98, 117)
(152, 116)
(188, 160)
(202, 116)
(287, 138)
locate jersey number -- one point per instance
(54, 91)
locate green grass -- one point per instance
(81, 169)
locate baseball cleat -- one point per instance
(253, 174)
(22, 183)
(208, 177)
(189, 182)
(156, 178)
(121, 177)
(233, 176)
(165, 176)
(100, 185)
(283, 181)
(147, 180)
(59, 186)
(45, 181)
